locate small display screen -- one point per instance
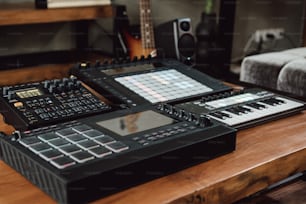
(28, 93)
(125, 70)
(136, 122)
(232, 100)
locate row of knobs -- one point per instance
(60, 85)
(7, 92)
(220, 96)
(114, 61)
(200, 120)
(53, 86)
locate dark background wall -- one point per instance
(250, 16)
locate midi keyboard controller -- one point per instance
(243, 108)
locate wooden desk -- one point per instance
(265, 154)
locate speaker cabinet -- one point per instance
(175, 39)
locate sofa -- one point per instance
(282, 70)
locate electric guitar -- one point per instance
(144, 44)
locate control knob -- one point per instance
(47, 84)
(203, 121)
(51, 89)
(5, 90)
(11, 95)
(181, 113)
(161, 106)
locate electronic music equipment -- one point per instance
(242, 109)
(32, 105)
(89, 158)
(147, 81)
(175, 39)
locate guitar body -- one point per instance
(135, 46)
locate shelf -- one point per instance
(43, 66)
(26, 13)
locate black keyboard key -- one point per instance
(247, 109)
(217, 115)
(48, 136)
(77, 138)
(269, 102)
(279, 101)
(104, 139)
(93, 133)
(117, 146)
(28, 141)
(242, 109)
(82, 157)
(58, 142)
(63, 162)
(70, 149)
(234, 111)
(226, 115)
(40, 147)
(81, 128)
(65, 132)
(50, 154)
(88, 144)
(256, 106)
(100, 151)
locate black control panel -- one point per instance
(32, 105)
(242, 108)
(93, 157)
(147, 81)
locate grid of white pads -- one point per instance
(163, 85)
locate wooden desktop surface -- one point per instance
(264, 155)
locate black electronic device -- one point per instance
(147, 81)
(175, 39)
(90, 158)
(244, 108)
(32, 105)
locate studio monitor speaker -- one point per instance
(175, 39)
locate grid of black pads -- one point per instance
(70, 146)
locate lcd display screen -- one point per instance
(136, 122)
(28, 93)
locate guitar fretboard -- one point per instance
(147, 32)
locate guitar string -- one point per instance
(146, 24)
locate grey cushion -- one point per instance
(301, 51)
(292, 78)
(263, 69)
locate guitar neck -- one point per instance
(146, 25)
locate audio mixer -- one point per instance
(241, 109)
(86, 159)
(147, 81)
(33, 105)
